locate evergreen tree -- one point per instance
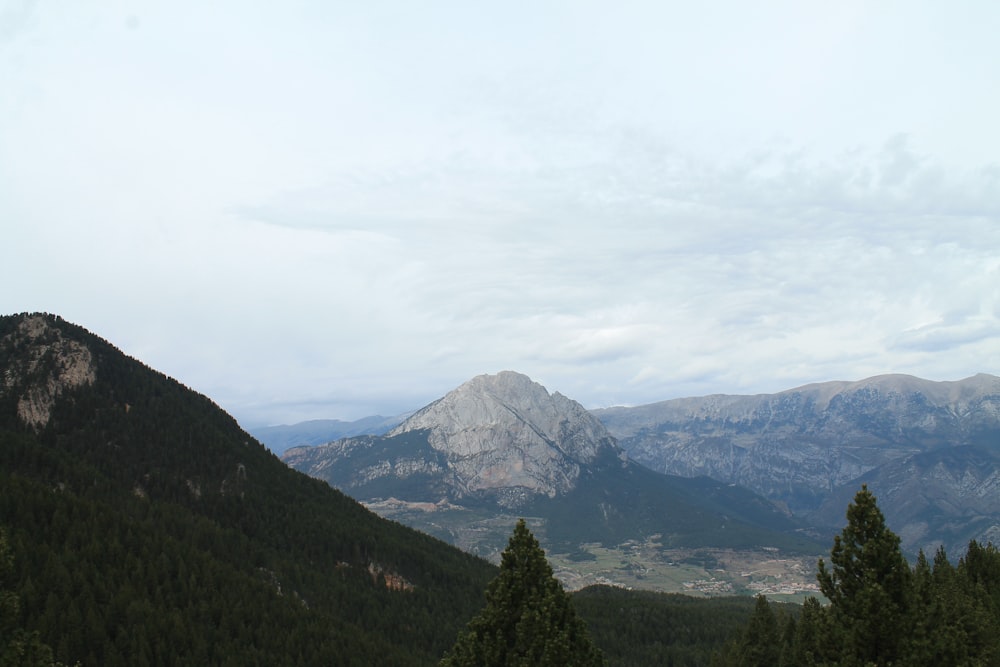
(973, 597)
(761, 646)
(925, 610)
(807, 646)
(528, 619)
(868, 587)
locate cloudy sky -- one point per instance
(325, 209)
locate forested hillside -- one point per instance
(146, 528)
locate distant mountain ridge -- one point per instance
(811, 447)
(320, 431)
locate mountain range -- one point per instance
(502, 445)
(928, 449)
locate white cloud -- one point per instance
(330, 211)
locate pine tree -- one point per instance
(868, 586)
(761, 645)
(808, 645)
(528, 619)
(925, 610)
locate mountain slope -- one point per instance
(811, 447)
(148, 528)
(501, 444)
(944, 497)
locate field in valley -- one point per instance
(644, 564)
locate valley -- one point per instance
(697, 572)
(638, 564)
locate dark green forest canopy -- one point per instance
(638, 628)
(17, 645)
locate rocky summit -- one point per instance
(506, 431)
(497, 436)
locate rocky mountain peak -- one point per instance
(506, 431)
(509, 409)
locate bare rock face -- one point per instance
(55, 365)
(943, 497)
(801, 444)
(502, 437)
(502, 431)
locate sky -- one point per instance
(324, 209)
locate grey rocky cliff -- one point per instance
(502, 436)
(944, 497)
(56, 365)
(504, 430)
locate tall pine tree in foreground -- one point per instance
(868, 586)
(528, 619)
